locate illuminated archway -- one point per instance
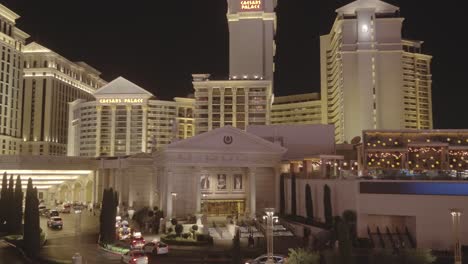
(64, 193)
(77, 192)
(89, 192)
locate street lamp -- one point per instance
(174, 196)
(271, 219)
(456, 213)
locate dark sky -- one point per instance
(158, 44)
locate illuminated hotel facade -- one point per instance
(297, 109)
(50, 83)
(246, 98)
(125, 119)
(12, 41)
(371, 77)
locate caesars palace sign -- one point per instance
(119, 101)
(251, 4)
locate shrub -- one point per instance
(300, 256)
(178, 229)
(186, 235)
(327, 205)
(169, 230)
(174, 221)
(195, 228)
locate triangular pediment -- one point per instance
(228, 140)
(379, 6)
(122, 86)
(35, 47)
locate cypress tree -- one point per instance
(345, 245)
(236, 248)
(309, 202)
(108, 214)
(31, 221)
(327, 205)
(18, 206)
(3, 197)
(9, 206)
(102, 226)
(293, 195)
(282, 200)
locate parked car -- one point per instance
(55, 222)
(44, 212)
(134, 257)
(66, 209)
(263, 258)
(156, 248)
(42, 208)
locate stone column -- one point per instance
(144, 130)
(246, 107)
(129, 131)
(98, 130)
(112, 139)
(198, 173)
(277, 172)
(169, 198)
(221, 108)
(234, 107)
(253, 190)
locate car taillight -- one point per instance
(133, 241)
(134, 260)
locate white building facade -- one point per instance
(125, 119)
(296, 109)
(50, 83)
(12, 41)
(371, 77)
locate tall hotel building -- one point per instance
(125, 119)
(50, 83)
(371, 77)
(246, 98)
(12, 42)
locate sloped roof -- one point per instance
(122, 86)
(226, 139)
(35, 47)
(379, 6)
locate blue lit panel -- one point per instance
(415, 188)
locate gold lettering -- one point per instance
(251, 4)
(118, 101)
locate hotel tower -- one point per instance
(371, 78)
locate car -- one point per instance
(66, 209)
(134, 257)
(55, 222)
(137, 240)
(156, 248)
(51, 213)
(263, 258)
(42, 208)
(44, 212)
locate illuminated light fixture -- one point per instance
(372, 160)
(398, 163)
(345, 164)
(424, 160)
(432, 157)
(448, 139)
(378, 141)
(368, 144)
(432, 166)
(388, 162)
(459, 141)
(437, 162)
(355, 163)
(454, 160)
(369, 163)
(378, 163)
(245, 76)
(373, 145)
(383, 159)
(396, 142)
(390, 139)
(393, 166)
(451, 166)
(410, 162)
(383, 144)
(365, 28)
(459, 164)
(409, 140)
(417, 165)
(428, 140)
(49, 172)
(256, 76)
(234, 77)
(417, 155)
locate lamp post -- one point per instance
(456, 213)
(174, 196)
(77, 257)
(271, 219)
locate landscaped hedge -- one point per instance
(202, 240)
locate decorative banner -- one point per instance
(251, 5)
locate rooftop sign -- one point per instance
(120, 101)
(251, 5)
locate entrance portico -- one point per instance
(218, 173)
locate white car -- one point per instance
(134, 257)
(263, 258)
(156, 248)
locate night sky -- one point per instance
(159, 44)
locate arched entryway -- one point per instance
(64, 193)
(77, 192)
(89, 192)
